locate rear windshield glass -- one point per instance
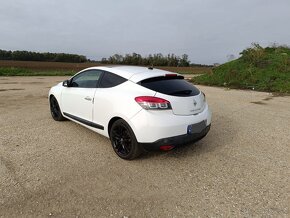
(175, 86)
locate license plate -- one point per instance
(196, 128)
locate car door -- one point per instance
(77, 99)
(106, 97)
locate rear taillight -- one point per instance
(153, 103)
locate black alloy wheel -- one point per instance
(55, 110)
(124, 141)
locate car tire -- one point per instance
(55, 109)
(123, 141)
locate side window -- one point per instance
(110, 80)
(86, 79)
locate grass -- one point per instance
(36, 68)
(262, 69)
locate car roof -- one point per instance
(134, 73)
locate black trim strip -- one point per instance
(86, 122)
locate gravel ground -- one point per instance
(61, 169)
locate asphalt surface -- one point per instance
(61, 169)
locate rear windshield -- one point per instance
(175, 86)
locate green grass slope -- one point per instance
(262, 69)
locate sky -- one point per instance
(207, 30)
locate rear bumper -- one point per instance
(151, 126)
(176, 140)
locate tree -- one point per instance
(184, 61)
(36, 56)
(155, 60)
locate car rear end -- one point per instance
(177, 114)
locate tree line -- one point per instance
(37, 56)
(170, 60)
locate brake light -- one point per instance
(171, 74)
(153, 103)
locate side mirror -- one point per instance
(66, 83)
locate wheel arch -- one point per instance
(50, 96)
(55, 96)
(56, 91)
(112, 120)
(120, 117)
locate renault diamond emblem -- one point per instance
(194, 103)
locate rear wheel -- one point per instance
(124, 141)
(55, 110)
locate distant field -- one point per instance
(188, 70)
(38, 65)
(30, 68)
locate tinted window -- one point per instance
(175, 86)
(110, 80)
(86, 79)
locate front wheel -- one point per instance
(124, 141)
(55, 110)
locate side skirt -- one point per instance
(86, 122)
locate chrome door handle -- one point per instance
(88, 98)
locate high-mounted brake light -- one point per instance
(171, 74)
(153, 103)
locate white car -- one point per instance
(138, 108)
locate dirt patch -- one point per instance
(268, 99)
(277, 94)
(32, 82)
(258, 102)
(3, 90)
(62, 169)
(9, 83)
(35, 96)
